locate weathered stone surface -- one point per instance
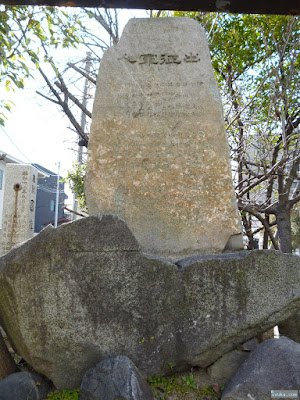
(114, 378)
(249, 345)
(73, 296)
(24, 386)
(18, 205)
(223, 369)
(291, 327)
(158, 153)
(273, 365)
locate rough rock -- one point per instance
(73, 296)
(291, 328)
(223, 369)
(273, 365)
(158, 152)
(114, 378)
(250, 345)
(24, 386)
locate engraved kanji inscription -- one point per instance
(161, 59)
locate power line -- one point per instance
(50, 190)
(15, 144)
(30, 162)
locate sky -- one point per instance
(36, 130)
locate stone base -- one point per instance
(73, 296)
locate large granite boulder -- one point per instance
(75, 295)
(114, 378)
(273, 365)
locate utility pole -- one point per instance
(57, 198)
(87, 69)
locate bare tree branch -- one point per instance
(51, 87)
(87, 76)
(64, 89)
(263, 178)
(247, 208)
(46, 97)
(99, 17)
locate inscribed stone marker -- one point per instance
(158, 153)
(18, 205)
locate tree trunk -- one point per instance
(7, 364)
(283, 217)
(247, 226)
(266, 235)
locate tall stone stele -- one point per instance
(18, 205)
(158, 153)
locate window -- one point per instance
(52, 205)
(1, 179)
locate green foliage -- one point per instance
(181, 388)
(170, 365)
(189, 381)
(26, 35)
(256, 59)
(65, 395)
(75, 179)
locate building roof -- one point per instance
(288, 7)
(9, 159)
(44, 170)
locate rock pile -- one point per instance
(81, 293)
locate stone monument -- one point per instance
(158, 153)
(18, 205)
